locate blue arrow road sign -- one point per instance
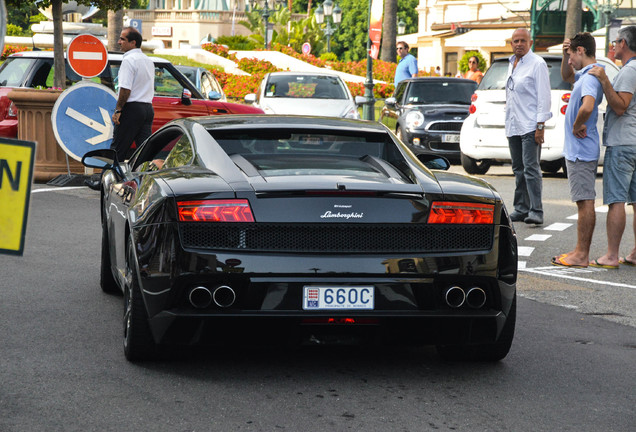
(81, 118)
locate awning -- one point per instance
(410, 39)
(481, 39)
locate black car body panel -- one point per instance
(440, 104)
(365, 227)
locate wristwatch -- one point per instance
(540, 126)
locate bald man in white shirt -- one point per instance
(527, 110)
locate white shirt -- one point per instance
(137, 74)
(527, 94)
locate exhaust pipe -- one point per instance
(200, 297)
(475, 297)
(224, 296)
(455, 296)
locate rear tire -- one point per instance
(475, 166)
(138, 342)
(552, 167)
(484, 352)
(106, 280)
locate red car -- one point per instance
(175, 96)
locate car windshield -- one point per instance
(13, 71)
(305, 86)
(439, 92)
(495, 77)
(306, 152)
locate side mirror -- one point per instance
(250, 98)
(390, 102)
(361, 100)
(102, 159)
(432, 161)
(214, 95)
(186, 97)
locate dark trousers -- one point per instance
(135, 125)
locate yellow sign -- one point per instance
(16, 177)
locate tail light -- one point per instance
(473, 98)
(472, 109)
(565, 98)
(234, 210)
(446, 212)
(12, 111)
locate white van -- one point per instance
(483, 136)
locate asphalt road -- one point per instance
(62, 367)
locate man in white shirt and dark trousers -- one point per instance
(527, 110)
(133, 114)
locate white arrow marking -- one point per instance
(105, 130)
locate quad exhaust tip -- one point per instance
(456, 297)
(200, 297)
(224, 296)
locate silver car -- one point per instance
(305, 93)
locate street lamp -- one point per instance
(327, 9)
(369, 107)
(266, 12)
(401, 27)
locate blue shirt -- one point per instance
(585, 149)
(405, 68)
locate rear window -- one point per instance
(305, 86)
(495, 76)
(307, 152)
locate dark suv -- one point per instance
(175, 95)
(427, 113)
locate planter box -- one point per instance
(34, 124)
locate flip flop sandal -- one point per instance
(561, 262)
(595, 263)
(625, 261)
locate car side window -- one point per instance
(206, 85)
(181, 154)
(399, 92)
(166, 84)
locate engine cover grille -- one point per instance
(336, 238)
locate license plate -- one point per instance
(450, 138)
(334, 297)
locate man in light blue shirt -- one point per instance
(527, 110)
(407, 66)
(581, 147)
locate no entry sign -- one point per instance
(87, 55)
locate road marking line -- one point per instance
(602, 209)
(541, 270)
(521, 264)
(558, 226)
(525, 250)
(574, 217)
(57, 189)
(538, 237)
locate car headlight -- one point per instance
(352, 113)
(414, 120)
